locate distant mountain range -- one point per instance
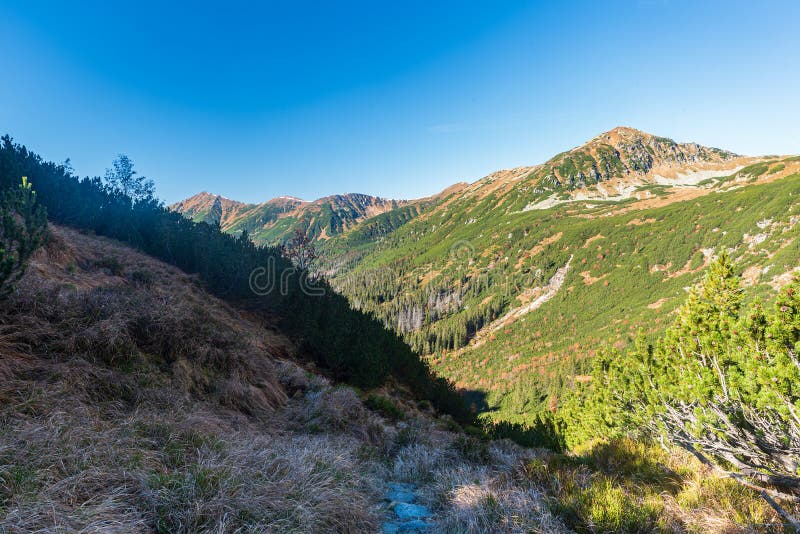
(275, 220)
(612, 166)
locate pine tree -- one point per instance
(712, 308)
(23, 225)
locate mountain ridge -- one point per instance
(179, 376)
(275, 220)
(613, 165)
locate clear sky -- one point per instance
(253, 100)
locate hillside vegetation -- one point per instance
(514, 304)
(172, 395)
(134, 401)
(321, 321)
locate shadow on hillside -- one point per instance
(475, 399)
(542, 432)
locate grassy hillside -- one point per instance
(470, 284)
(630, 278)
(140, 395)
(134, 401)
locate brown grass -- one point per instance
(135, 402)
(132, 401)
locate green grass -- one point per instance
(385, 406)
(627, 486)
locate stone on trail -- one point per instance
(411, 511)
(409, 516)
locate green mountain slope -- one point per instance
(511, 301)
(511, 284)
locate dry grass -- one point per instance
(131, 401)
(193, 471)
(148, 315)
(475, 486)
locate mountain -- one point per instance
(628, 155)
(276, 220)
(616, 165)
(512, 283)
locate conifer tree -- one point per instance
(23, 225)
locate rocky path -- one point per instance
(402, 513)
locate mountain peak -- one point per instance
(207, 207)
(623, 153)
(625, 130)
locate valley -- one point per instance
(511, 284)
(547, 365)
(400, 268)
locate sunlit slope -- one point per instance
(274, 221)
(462, 281)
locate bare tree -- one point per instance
(300, 250)
(123, 179)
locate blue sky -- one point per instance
(254, 100)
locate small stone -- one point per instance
(411, 511)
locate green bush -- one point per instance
(385, 406)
